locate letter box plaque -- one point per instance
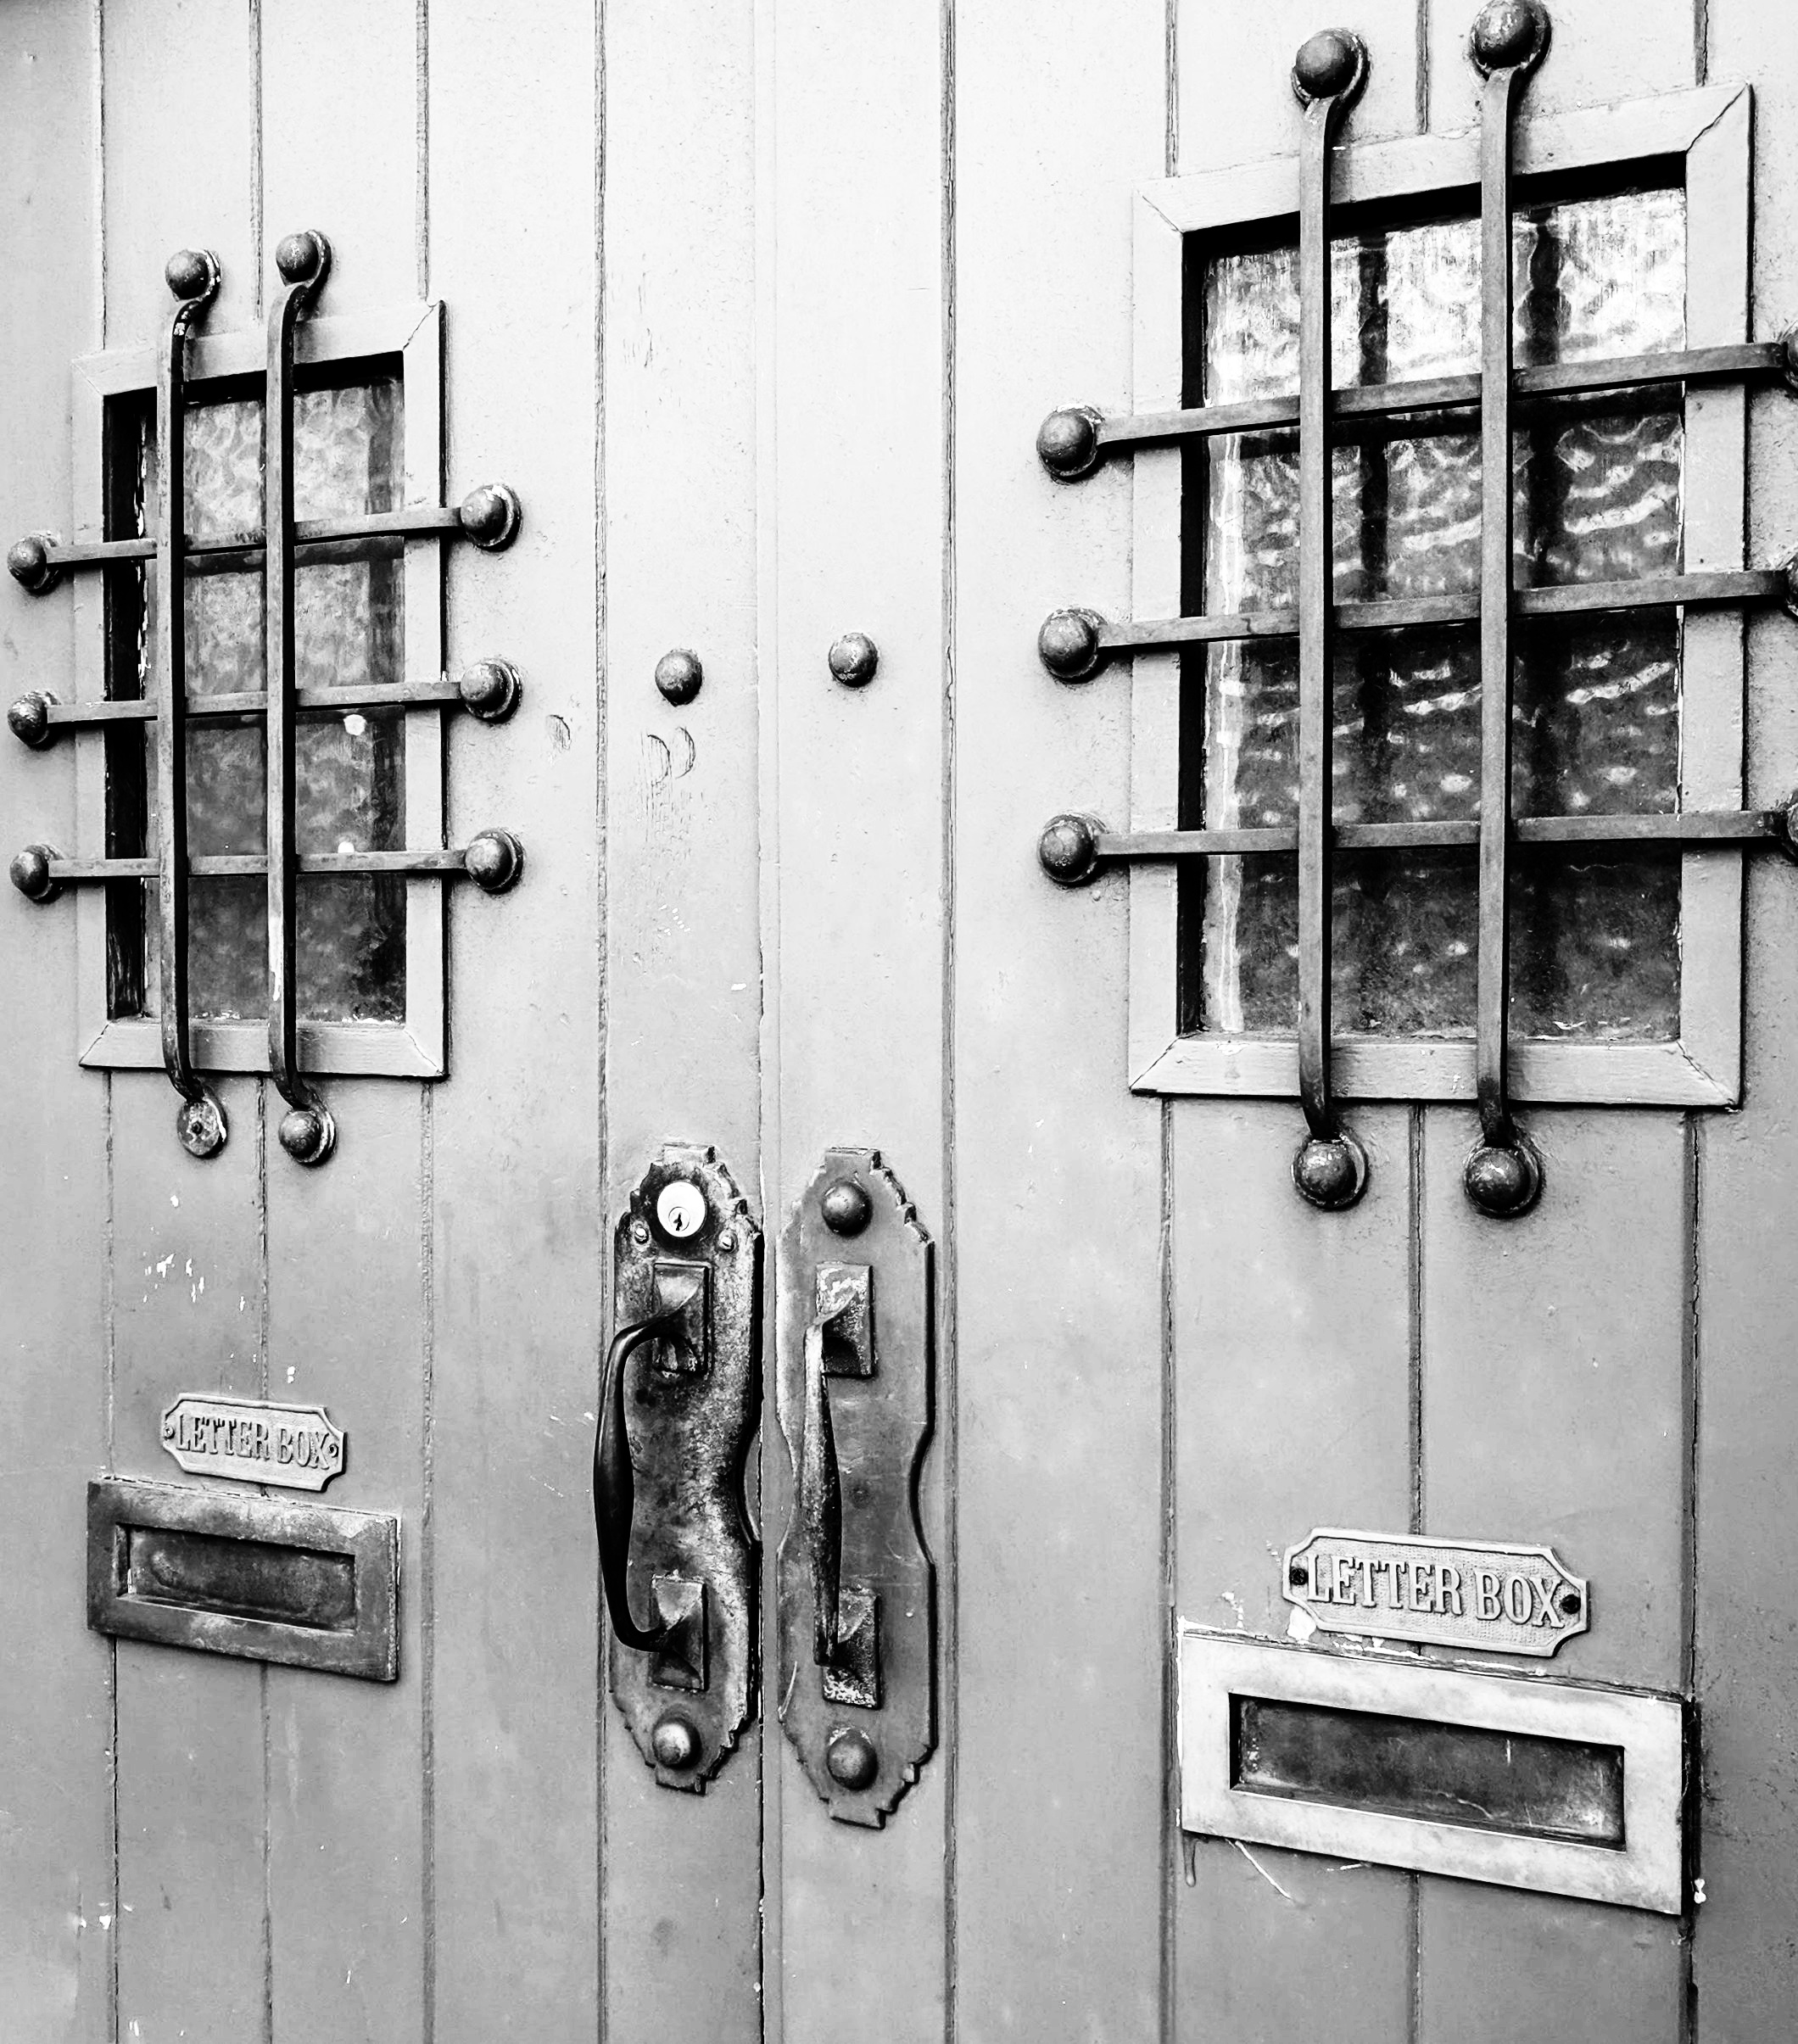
(295, 1446)
(1495, 1600)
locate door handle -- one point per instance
(820, 1481)
(678, 1400)
(614, 1475)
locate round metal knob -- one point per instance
(852, 1761)
(675, 1741)
(1068, 851)
(303, 258)
(1508, 33)
(193, 273)
(493, 860)
(1331, 1171)
(853, 660)
(846, 1207)
(1068, 645)
(488, 689)
(1068, 443)
(308, 1134)
(679, 675)
(1504, 1181)
(490, 516)
(29, 718)
(28, 562)
(1331, 62)
(31, 874)
(201, 1126)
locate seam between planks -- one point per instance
(602, 1131)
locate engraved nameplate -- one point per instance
(1495, 1600)
(295, 1446)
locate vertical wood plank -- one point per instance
(57, 1897)
(187, 1252)
(1746, 1963)
(1292, 1339)
(1554, 1410)
(853, 825)
(515, 1251)
(1062, 1767)
(682, 1873)
(346, 1759)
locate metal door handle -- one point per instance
(820, 1486)
(614, 1479)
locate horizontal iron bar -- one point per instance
(1692, 827)
(254, 865)
(410, 522)
(1739, 585)
(253, 703)
(1441, 394)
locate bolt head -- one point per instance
(28, 562)
(201, 1126)
(488, 689)
(675, 1742)
(853, 660)
(191, 273)
(1068, 849)
(490, 516)
(1068, 443)
(29, 718)
(1570, 1603)
(303, 258)
(31, 875)
(846, 1207)
(1330, 61)
(1331, 1171)
(679, 675)
(493, 860)
(1508, 33)
(308, 1134)
(1503, 1182)
(1298, 1576)
(727, 1241)
(1068, 645)
(852, 1761)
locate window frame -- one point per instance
(416, 1047)
(1710, 129)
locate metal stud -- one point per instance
(1509, 35)
(675, 1742)
(1504, 1180)
(852, 1761)
(1332, 64)
(31, 875)
(1068, 645)
(302, 258)
(193, 273)
(853, 660)
(679, 675)
(1331, 1171)
(846, 1207)
(29, 718)
(308, 1134)
(1068, 849)
(1068, 442)
(493, 860)
(200, 1125)
(29, 564)
(488, 689)
(490, 516)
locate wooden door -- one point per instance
(759, 308)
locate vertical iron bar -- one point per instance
(308, 1133)
(1328, 73)
(193, 277)
(1503, 1176)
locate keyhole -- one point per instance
(680, 1208)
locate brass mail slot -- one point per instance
(275, 1579)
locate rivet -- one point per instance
(1504, 1181)
(490, 689)
(303, 258)
(28, 562)
(640, 1231)
(727, 1240)
(679, 675)
(1570, 1603)
(1298, 1575)
(490, 516)
(29, 718)
(493, 860)
(201, 1126)
(846, 1207)
(1068, 849)
(31, 875)
(308, 1134)
(852, 1761)
(1068, 645)
(1331, 1171)
(675, 1741)
(1068, 442)
(853, 660)
(1329, 63)
(1508, 34)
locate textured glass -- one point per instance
(348, 633)
(1596, 700)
